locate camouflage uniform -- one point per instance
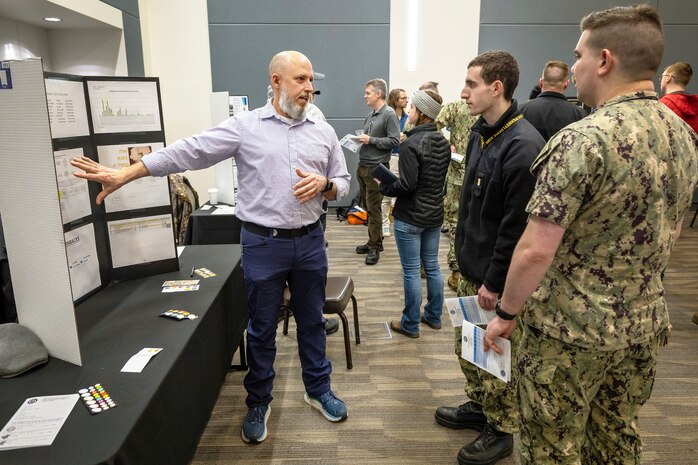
(498, 399)
(455, 117)
(619, 182)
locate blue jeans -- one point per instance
(415, 245)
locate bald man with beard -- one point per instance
(288, 163)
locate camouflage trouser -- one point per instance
(498, 399)
(454, 182)
(580, 406)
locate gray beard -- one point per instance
(296, 112)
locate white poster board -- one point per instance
(31, 214)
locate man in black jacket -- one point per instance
(551, 111)
(491, 218)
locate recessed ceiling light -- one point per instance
(52, 19)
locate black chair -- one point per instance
(338, 291)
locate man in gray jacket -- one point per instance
(381, 134)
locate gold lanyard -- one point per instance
(484, 143)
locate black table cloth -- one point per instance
(162, 411)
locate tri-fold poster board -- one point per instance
(62, 246)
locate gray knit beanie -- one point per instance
(425, 104)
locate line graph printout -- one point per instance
(142, 193)
(124, 106)
(141, 240)
(72, 192)
(67, 110)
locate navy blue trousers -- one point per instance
(268, 263)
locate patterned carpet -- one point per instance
(397, 382)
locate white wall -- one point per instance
(176, 50)
(19, 40)
(89, 52)
(446, 40)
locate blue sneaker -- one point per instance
(254, 428)
(329, 405)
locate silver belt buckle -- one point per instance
(274, 232)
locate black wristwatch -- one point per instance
(328, 186)
(501, 313)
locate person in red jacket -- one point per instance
(673, 84)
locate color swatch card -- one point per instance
(96, 399)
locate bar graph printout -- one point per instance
(473, 351)
(124, 106)
(466, 308)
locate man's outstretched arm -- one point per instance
(110, 178)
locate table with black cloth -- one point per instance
(206, 228)
(161, 412)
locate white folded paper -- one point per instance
(466, 308)
(473, 351)
(136, 363)
(349, 141)
(457, 157)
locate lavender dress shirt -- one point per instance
(267, 151)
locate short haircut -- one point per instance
(555, 73)
(380, 86)
(633, 34)
(430, 85)
(498, 65)
(423, 119)
(681, 72)
(393, 97)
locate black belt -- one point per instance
(278, 232)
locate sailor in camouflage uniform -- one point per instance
(611, 194)
(454, 116)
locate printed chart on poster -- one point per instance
(141, 240)
(73, 193)
(67, 110)
(124, 106)
(142, 193)
(81, 248)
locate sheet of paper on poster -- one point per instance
(124, 106)
(141, 240)
(67, 109)
(238, 104)
(72, 191)
(83, 261)
(142, 193)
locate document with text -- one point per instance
(473, 350)
(37, 422)
(466, 308)
(349, 141)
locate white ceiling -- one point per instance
(33, 11)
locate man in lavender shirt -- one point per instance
(288, 164)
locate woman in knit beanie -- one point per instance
(419, 213)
